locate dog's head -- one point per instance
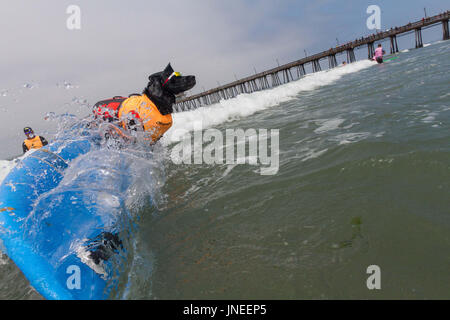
(165, 85)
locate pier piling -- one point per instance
(332, 62)
(301, 70)
(418, 36)
(371, 50)
(316, 65)
(394, 45)
(350, 55)
(445, 30)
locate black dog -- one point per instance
(163, 87)
(150, 110)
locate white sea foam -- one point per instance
(3, 258)
(430, 117)
(314, 154)
(350, 137)
(328, 124)
(5, 167)
(245, 105)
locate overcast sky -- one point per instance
(121, 42)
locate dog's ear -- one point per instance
(162, 75)
(167, 72)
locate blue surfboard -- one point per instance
(61, 214)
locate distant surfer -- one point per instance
(32, 141)
(378, 56)
(151, 111)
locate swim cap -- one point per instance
(27, 130)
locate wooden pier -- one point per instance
(285, 73)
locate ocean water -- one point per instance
(363, 179)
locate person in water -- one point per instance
(32, 141)
(378, 56)
(150, 111)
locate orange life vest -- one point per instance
(34, 143)
(141, 109)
